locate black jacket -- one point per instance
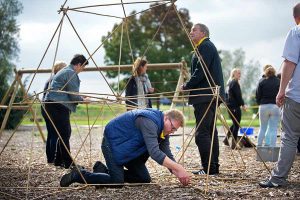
(234, 94)
(267, 90)
(212, 60)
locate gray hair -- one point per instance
(203, 28)
(296, 10)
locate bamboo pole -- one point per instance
(9, 107)
(182, 76)
(8, 92)
(33, 114)
(156, 66)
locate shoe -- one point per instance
(73, 167)
(99, 167)
(68, 178)
(202, 172)
(225, 141)
(268, 184)
(58, 163)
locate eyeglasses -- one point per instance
(173, 128)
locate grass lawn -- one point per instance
(102, 114)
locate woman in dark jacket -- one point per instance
(269, 114)
(234, 101)
(138, 86)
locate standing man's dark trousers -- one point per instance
(204, 138)
(60, 115)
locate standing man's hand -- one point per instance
(280, 98)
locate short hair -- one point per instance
(203, 28)
(58, 66)
(296, 10)
(79, 59)
(139, 62)
(270, 71)
(176, 115)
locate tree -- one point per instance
(251, 71)
(9, 30)
(170, 44)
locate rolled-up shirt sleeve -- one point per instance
(149, 130)
(291, 48)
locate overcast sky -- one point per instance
(258, 27)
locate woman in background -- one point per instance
(139, 86)
(234, 102)
(269, 113)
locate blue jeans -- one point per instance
(136, 171)
(269, 117)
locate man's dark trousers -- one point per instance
(203, 137)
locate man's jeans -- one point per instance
(269, 116)
(136, 171)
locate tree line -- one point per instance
(170, 45)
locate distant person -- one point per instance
(201, 98)
(51, 139)
(234, 102)
(128, 141)
(139, 86)
(269, 113)
(288, 98)
(59, 105)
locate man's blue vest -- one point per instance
(125, 140)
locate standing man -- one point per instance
(59, 104)
(128, 141)
(200, 36)
(289, 98)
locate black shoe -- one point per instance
(73, 167)
(268, 184)
(99, 167)
(68, 178)
(225, 141)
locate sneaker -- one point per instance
(268, 184)
(202, 172)
(68, 178)
(99, 167)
